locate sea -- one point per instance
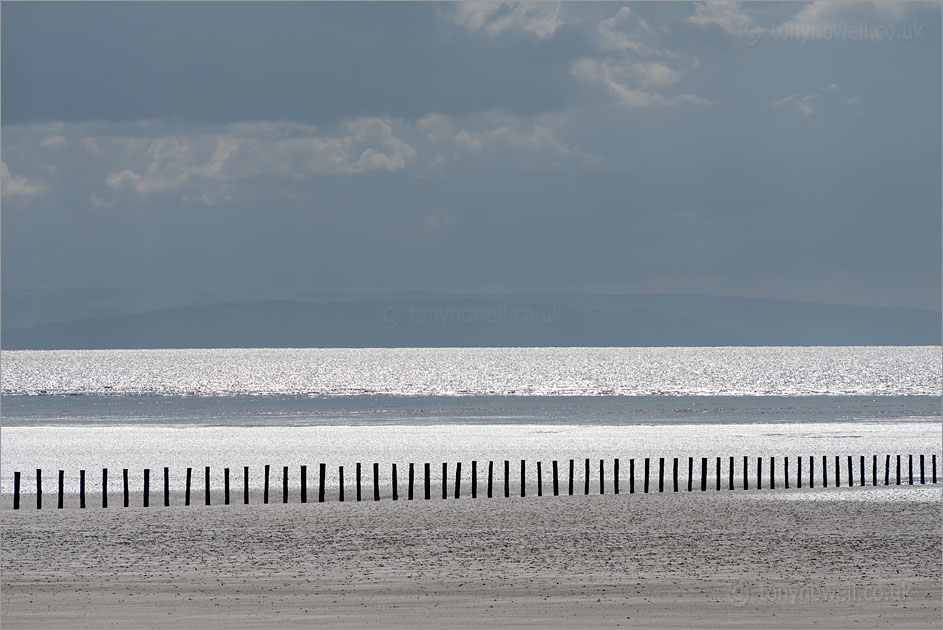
(77, 410)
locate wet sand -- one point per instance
(697, 560)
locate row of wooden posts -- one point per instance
(507, 479)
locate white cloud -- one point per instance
(98, 201)
(830, 19)
(622, 32)
(634, 66)
(248, 150)
(541, 19)
(18, 186)
(54, 142)
(727, 15)
(813, 18)
(807, 104)
(619, 76)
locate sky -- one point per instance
(759, 149)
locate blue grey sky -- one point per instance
(770, 150)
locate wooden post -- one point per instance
(147, 487)
(874, 470)
(703, 474)
(837, 471)
(340, 481)
(615, 476)
(661, 474)
(412, 479)
(376, 481)
(474, 480)
(861, 470)
(124, 478)
(186, 493)
(458, 480)
(104, 487)
(265, 487)
(16, 490)
(507, 479)
(586, 478)
(304, 483)
(851, 478)
(746, 479)
(61, 484)
(490, 476)
(540, 481)
(690, 474)
(730, 474)
(166, 486)
(556, 480)
(811, 471)
(824, 471)
(39, 489)
(759, 473)
(631, 475)
(674, 473)
(426, 482)
(933, 460)
(445, 484)
(394, 484)
(206, 479)
(602, 478)
(81, 489)
(357, 479)
(910, 470)
(772, 473)
(321, 473)
(799, 472)
(245, 485)
(284, 484)
(887, 471)
(898, 470)
(718, 473)
(226, 486)
(786, 471)
(645, 485)
(523, 482)
(571, 477)
(923, 479)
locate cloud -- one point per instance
(727, 15)
(822, 20)
(831, 19)
(622, 32)
(634, 67)
(807, 104)
(620, 76)
(246, 150)
(541, 19)
(54, 142)
(18, 186)
(97, 201)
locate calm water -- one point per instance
(232, 408)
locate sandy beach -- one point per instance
(733, 560)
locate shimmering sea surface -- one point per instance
(138, 409)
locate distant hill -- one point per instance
(103, 319)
